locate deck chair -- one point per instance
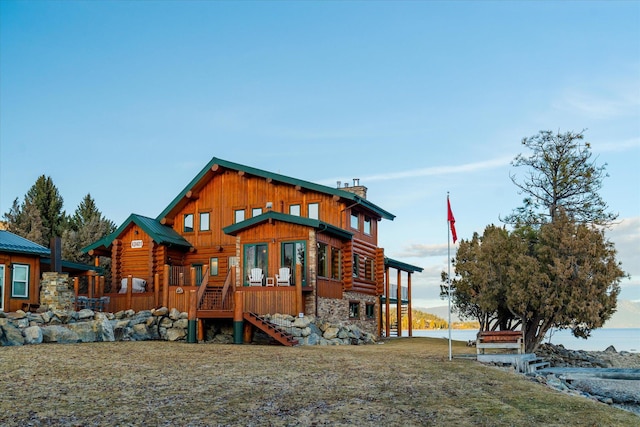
(256, 277)
(284, 278)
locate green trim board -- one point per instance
(399, 265)
(321, 226)
(275, 177)
(160, 234)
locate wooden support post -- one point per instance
(129, 292)
(387, 290)
(90, 284)
(299, 300)
(238, 310)
(192, 277)
(399, 304)
(409, 313)
(101, 286)
(76, 289)
(193, 309)
(200, 330)
(165, 286)
(181, 279)
(156, 290)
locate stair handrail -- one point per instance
(227, 283)
(203, 286)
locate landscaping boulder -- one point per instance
(10, 335)
(59, 334)
(32, 335)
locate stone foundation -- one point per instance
(337, 311)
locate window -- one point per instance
(256, 212)
(20, 281)
(370, 311)
(369, 269)
(356, 261)
(354, 310)
(313, 210)
(355, 220)
(367, 225)
(329, 261)
(213, 267)
(336, 263)
(238, 216)
(204, 221)
(188, 223)
(255, 256)
(294, 254)
(294, 210)
(323, 265)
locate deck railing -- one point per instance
(393, 291)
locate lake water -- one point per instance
(623, 339)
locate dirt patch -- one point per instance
(408, 382)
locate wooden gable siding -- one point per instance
(13, 304)
(274, 235)
(141, 262)
(229, 191)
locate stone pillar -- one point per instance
(56, 291)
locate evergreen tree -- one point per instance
(562, 275)
(560, 174)
(46, 199)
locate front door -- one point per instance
(1, 287)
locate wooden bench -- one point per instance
(500, 340)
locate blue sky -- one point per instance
(128, 100)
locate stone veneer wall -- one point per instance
(56, 292)
(337, 311)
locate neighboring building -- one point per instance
(232, 220)
(22, 263)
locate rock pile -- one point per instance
(558, 356)
(64, 327)
(60, 326)
(309, 330)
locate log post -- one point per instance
(129, 292)
(299, 300)
(238, 309)
(91, 280)
(200, 330)
(399, 303)
(76, 289)
(156, 289)
(165, 286)
(387, 308)
(191, 325)
(409, 303)
(101, 286)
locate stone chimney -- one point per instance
(356, 188)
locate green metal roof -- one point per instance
(161, 234)
(279, 178)
(399, 265)
(74, 266)
(292, 219)
(13, 243)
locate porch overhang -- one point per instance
(269, 217)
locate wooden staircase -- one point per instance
(270, 329)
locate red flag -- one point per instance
(452, 221)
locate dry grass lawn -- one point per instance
(403, 382)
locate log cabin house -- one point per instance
(22, 263)
(239, 241)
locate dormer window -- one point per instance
(367, 225)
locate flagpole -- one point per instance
(449, 271)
